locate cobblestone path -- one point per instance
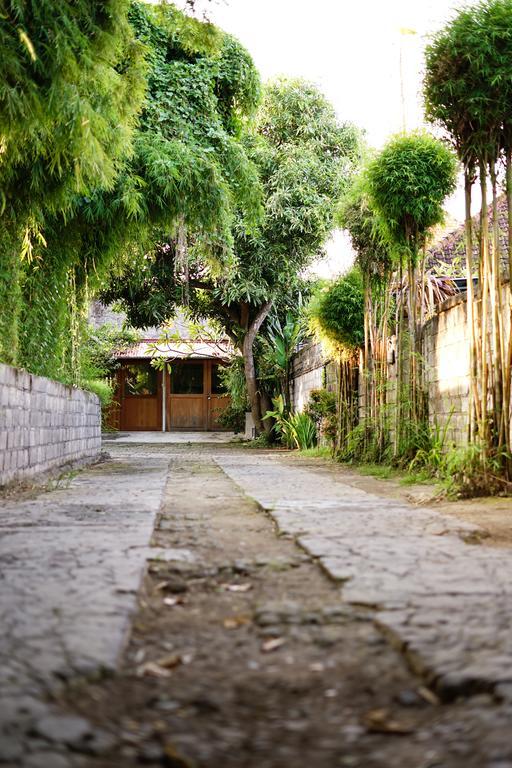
(443, 602)
(71, 561)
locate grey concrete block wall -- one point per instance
(307, 373)
(44, 424)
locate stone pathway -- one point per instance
(446, 604)
(71, 562)
(167, 438)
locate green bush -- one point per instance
(295, 431)
(337, 311)
(322, 409)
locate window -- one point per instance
(187, 379)
(218, 387)
(140, 379)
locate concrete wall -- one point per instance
(446, 359)
(44, 424)
(307, 373)
(446, 354)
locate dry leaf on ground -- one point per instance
(273, 644)
(382, 721)
(170, 661)
(172, 601)
(236, 587)
(152, 669)
(234, 622)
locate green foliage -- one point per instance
(83, 189)
(322, 409)
(363, 445)
(337, 312)
(99, 348)
(281, 339)
(297, 430)
(71, 85)
(303, 431)
(432, 457)
(233, 380)
(103, 388)
(188, 160)
(281, 427)
(367, 233)
(407, 183)
(468, 80)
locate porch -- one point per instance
(188, 396)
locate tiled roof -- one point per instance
(452, 247)
(182, 350)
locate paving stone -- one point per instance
(71, 562)
(47, 760)
(443, 603)
(66, 729)
(10, 749)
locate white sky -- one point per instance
(351, 50)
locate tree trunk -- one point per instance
(249, 365)
(474, 403)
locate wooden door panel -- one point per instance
(140, 413)
(187, 412)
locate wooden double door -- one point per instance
(187, 397)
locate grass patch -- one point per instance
(417, 478)
(382, 471)
(319, 452)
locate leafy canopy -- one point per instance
(468, 80)
(367, 233)
(407, 184)
(337, 312)
(305, 157)
(71, 82)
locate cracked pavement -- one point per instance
(71, 561)
(444, 603)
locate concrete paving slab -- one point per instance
(168, 438)
(71, 562)
(444, 603)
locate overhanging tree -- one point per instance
(187, 172)
(304, 157)
(373, 256)
(468, 91)
(71, 83)
(407, 184)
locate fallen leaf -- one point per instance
(237, 587)
(273, 644)
(380, 721)
(170, 661)
(161, 585)
(428, 695)
(234, 622)
(172, 601)
(173, 759)
(152, 669)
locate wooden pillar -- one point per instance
(164, 401)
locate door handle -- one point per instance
(209, 397)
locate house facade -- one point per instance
(184, 393)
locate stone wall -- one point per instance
(307, 373)
(446, 355)
(446, 359)
(44, 424)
